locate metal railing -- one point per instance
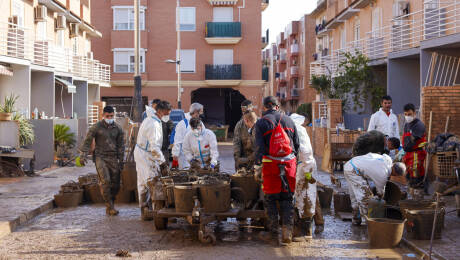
(19, 42)
(265, 72)
(436, 19)
(223, 29)
(223, 72)
(295, 48)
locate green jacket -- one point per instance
(109, 140)
(243, 142)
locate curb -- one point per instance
(7, 227)
(421, 252)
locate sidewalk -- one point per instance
(447, 247)
(27, 197)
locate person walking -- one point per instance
(242, 143)
(149, 158)
(109, 153)
(277, 145)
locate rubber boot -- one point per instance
(110, 209)
(305, 231)
(286, 234)
(319, 229)
(146, 213)
(356, 220)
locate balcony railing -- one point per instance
(294, 71)
(223, 72)
(436, 19)
(223, 29)
(294, 49)
(19, 42)
(282, 55)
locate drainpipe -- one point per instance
(239, 10)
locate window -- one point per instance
(40, 35)
(123, 18)
(60, 38)
(187, 19)
(188, 60)
(123, 60)
(376, 21)
(18, 10)
(223, 57)
(87, 45)
(343, 39)
(357, 30)
(222, 14)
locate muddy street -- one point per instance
(86, 233)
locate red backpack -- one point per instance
(279, 141)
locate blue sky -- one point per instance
(280, 12)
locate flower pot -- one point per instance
(5, 116)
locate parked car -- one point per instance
(176, 116)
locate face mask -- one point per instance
(108, 121)
(409, 119)
(165, 119)
(196, 132)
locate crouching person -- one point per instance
(305, 192)
(149, 159)
(362, 170)
(200, 147)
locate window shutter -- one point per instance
(223, 14)
(223, 57)
(188, 58)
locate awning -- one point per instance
(71, 88)
(6, 71)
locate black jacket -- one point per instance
(263, 126)
(167, 130)
(417, 130)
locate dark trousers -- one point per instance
(285, 210)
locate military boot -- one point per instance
(271, 235)
(146, 212)
(304, 230)
(110, 209)
(319, 229)
(286, 234)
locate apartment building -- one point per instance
(292, 56)
(220, 53)
(412, 44)
(45, 57)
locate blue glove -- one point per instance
(213, 166)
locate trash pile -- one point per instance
(444, 143)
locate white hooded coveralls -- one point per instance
(181, 130)
(200, 148)
(359, 170)
(305, 193)
(381, 122)
(147, 154)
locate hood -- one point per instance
(149, 111)
(298, 119)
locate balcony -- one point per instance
(294, 71)
(362, 4)
(18, 42)
(264, 4)
(282, 56)
(347, 14)
(265, 73)
(223, 32)
(321, 5)
(295, 93)
(222, 2)
(223, 75)
(295, 49)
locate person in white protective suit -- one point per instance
(363, 172)
(200, 146)
(148, 156)
(305, 192)
(182, 128)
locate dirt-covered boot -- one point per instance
(319, 229)
(356, 220)
(110, 209)
(286, 234)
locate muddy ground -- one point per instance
(86, 233)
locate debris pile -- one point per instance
(70, 195)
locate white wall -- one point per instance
(80, 99)
(42, 92)
(18, 84)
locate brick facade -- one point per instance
(444, 102)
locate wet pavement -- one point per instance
(86, 233)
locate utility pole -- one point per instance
(137, 102)
(178, 59)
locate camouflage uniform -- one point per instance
(243, 144)
(109, 153)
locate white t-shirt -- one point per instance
(372, 166)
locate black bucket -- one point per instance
(325, 197)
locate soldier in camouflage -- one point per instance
(243, 141)
(109, 152)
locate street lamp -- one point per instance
(137, 112)
(178, 59)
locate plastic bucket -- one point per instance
(248, 184)
(325, 197)
(384, 232)
(342, 202)
(420, 224)
(183, 197)
(215, 197)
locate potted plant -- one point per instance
(26, 130)
(7, 109)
